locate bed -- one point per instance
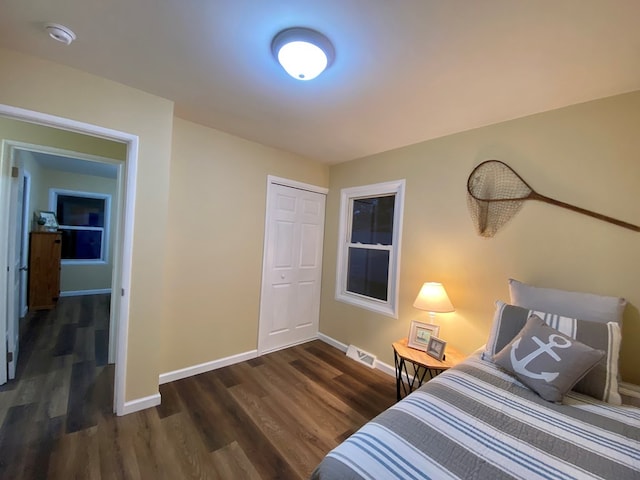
(479, 420)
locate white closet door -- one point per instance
(290, 303)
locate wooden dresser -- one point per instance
(44, 269)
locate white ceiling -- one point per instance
(405, 70)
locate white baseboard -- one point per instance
(241, 357)
(77, 293)
(383, 367)
(386, 368)
(282, 347)
(206, 367)
(333, 342)
(140, 404)
(629, 389)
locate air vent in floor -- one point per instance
(366, 358)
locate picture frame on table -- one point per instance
(436, 348)
(47, 221)
(420, 333)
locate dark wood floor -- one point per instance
(273, 417)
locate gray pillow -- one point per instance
(546, 360)
(586, 306)
(602, 381)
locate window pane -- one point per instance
(80, 211)
(373, 220)
(81, 244)
(368, 272)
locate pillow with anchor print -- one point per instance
(547, 361)
(602, 381)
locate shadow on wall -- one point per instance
(630, 329)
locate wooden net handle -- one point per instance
(620, 223)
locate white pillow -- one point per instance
(586, 306)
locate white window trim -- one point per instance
(53, 201)
(389, 307)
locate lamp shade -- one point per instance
(302, 52)
(433, 298)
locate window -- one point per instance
(369, 246)
(83, 219)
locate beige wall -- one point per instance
(215, 241)
(80, 277)
(53, 137)
(73, 277)
(198, 239)
(35, 171)
(43, 136)
(587, 155)
(51, 88)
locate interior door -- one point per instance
(292, 271)
(15, 248)
(24, 243)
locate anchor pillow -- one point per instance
(602, 381)
(546, 360)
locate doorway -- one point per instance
(119, 303)
(87, 260)
(292, 264)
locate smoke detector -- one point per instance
(60, 33)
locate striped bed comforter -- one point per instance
(476, 422)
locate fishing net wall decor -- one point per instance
(495, 193)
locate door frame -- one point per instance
(271, 182)
(14, 252)
(123, 247)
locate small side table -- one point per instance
(423, 365)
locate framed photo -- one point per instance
(436, 348)
(420, 334)
(47, 220)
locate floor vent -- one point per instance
(361, 356)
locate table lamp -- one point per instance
(434, 299)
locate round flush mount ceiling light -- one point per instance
(302, 52)
(60, 33)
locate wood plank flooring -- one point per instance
(273, 417)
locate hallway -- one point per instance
(63, 383)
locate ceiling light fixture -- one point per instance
(302, 52)
(60, 33)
